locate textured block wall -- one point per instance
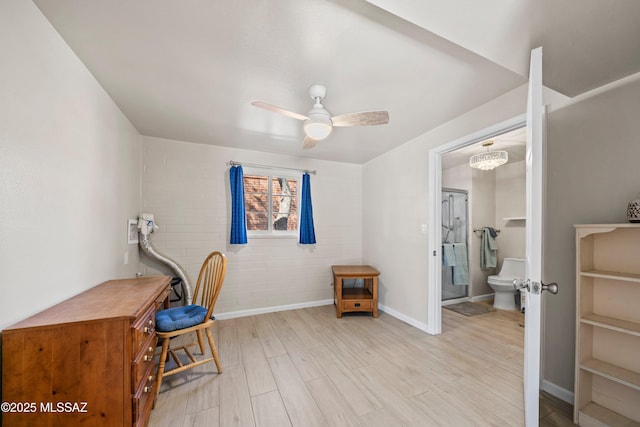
(185, 186)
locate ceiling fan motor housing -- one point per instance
(317, 91)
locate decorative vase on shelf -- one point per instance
(633, 210)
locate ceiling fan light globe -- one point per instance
(318, 126)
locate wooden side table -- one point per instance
(355, 299)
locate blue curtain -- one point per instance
(307, 233)
(238, 217)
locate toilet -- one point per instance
(502, 283)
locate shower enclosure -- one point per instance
(455, 271)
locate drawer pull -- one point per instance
(149, 329)
(148, 388)
(149, 356)
(356, 304)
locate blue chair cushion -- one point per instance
(175, 318)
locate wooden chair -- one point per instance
(197, 317)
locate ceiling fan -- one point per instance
(318, 122)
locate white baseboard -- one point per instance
(557, 391)
(263, 310)
(482, 297)
(406, 319)
(454, 301)
(251, 312)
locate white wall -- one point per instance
(593, 151)
(483, 211)
(186, 187)
(69, 173)
(395, 206)
(510, 200)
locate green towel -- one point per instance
(461, 269)
(448, 256)
(488, 251)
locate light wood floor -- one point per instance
(308, 368)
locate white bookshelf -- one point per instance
(607, 377)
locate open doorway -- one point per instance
(482, 207)
(449, 169)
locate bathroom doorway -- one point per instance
(493, 199)
(449, 168)
(455, 236)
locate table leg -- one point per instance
(338, 290)
(374, 291)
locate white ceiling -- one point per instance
(189, 70)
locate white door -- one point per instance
(535, 181)
(534, 215)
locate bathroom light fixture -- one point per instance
(489, 159)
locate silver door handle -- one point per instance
(536, 287)
(551, 287)
(520, 284)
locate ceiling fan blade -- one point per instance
(366, 118)
(279, 110)
(308, 143)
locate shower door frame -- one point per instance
(464, 297)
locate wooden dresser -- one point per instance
(86, 361)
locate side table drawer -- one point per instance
(357, 305)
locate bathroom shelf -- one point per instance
(516, 218)
(607, 372)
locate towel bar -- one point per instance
(480, 230)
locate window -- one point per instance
(271, 203)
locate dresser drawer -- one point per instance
(142, 363)
(357, 305)
(143, 328)
(160, 301)
(143, 399)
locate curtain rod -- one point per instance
(234, 163)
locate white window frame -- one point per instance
(271, 173)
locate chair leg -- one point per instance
(200, 340)
(161, 363)
(214, 351)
